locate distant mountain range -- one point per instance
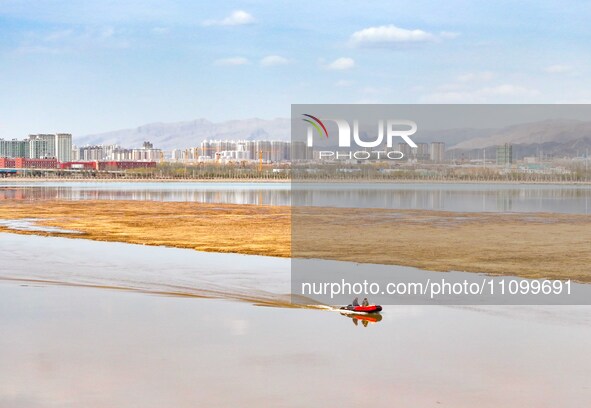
(181, 135)
(531, 133)
(550, 137)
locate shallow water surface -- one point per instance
(74, 347)
(421, 196)
(31, 224)
(143, 268)
(163, 327)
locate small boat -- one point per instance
(363, 309)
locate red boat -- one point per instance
(363, 309)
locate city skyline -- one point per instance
(61, 148)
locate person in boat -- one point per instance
(365, 302)
(355, 302)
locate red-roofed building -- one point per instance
(6, 163)
(24, 163)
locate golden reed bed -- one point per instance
(526, 244)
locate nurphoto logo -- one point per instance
(393, 128)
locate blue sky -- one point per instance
(92, 66)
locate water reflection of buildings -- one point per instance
(28, 193)
(464, 198)
(254, 197)
(504, 202)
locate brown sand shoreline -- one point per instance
(532, 245)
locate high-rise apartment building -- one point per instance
(92, 153)
(437, 152)
(263, 147)
(42, 146)
(37, 148)
(14, 148)
(63, 147)
(505, 154)
(279, 151)
(406, 150)
(422, 152)
(75, 153)
(51, 145)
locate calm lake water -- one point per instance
(99, 324)
(446, 197)
(156, 341)
(80, 347)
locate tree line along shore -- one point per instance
(324, 172)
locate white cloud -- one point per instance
(341, 64)
(390, 35)
(232, 61)
(238, 17)
(273, 60)
(558, 69)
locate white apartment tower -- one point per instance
(63, 147)
(437, 152)
(58, 145)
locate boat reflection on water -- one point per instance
(365, 319)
